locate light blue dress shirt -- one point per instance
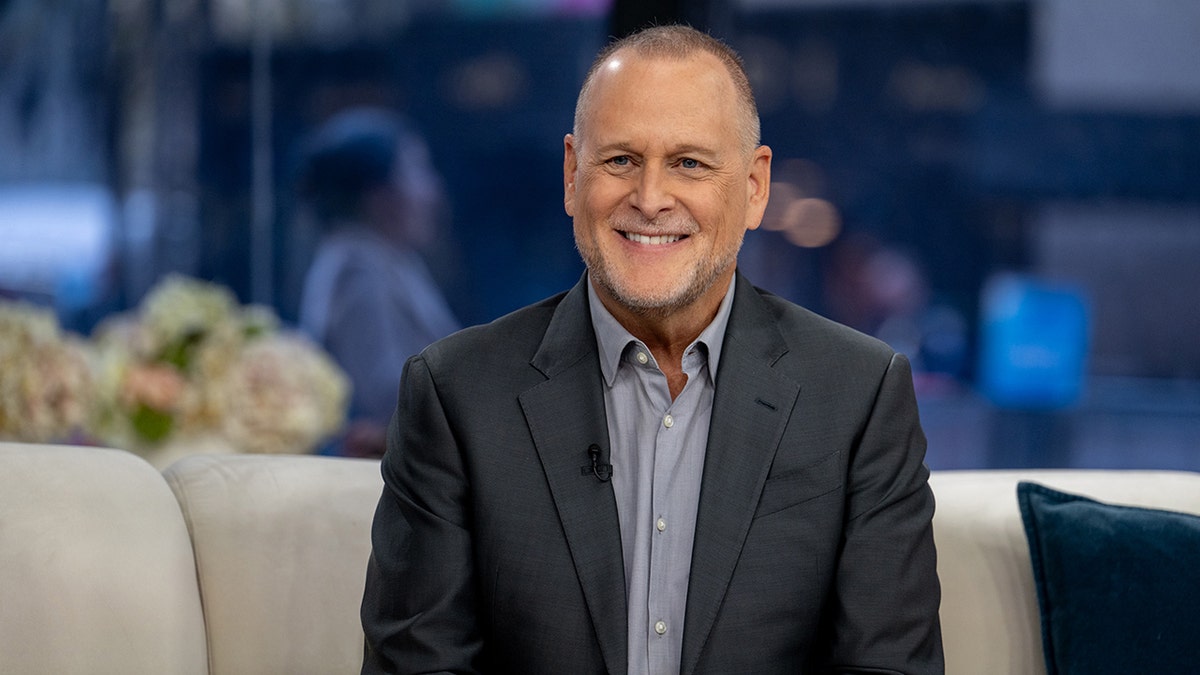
(657, 452)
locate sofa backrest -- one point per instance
(281, 554)
(255, 564)
(990, 619)
(96, 570)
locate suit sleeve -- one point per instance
(418, 609)
(887, 594)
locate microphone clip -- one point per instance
(601, 470)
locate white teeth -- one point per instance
(652, 241)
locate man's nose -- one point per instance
(652, 194)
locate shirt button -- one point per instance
(642, 358)
(661, 525)
(660, 627)
(668, 421)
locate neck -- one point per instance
(667, 334)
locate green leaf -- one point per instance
(181, 352)
(152, 425)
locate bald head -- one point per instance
(676, 43)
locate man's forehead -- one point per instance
(657, 77)
(641, 101)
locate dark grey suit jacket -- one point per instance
(493, 552)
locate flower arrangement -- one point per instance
(45, 378)
(191, 365)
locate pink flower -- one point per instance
(155, 385)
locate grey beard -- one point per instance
(704, 276)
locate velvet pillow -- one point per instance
(1118, 587)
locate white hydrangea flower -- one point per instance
(45, 390)
(284, 396)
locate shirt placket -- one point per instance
(662, 619)
(668, 591)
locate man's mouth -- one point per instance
(654, 240)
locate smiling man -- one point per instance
(663, 470)
(663, 177)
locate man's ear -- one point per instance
(759, 186)
(570, 163)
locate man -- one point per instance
(663, 470)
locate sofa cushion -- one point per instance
(282, 543)
(1117, 586)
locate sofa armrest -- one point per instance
(97, 566)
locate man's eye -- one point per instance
(622, 160)
(689, 163)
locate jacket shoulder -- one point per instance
(514, 337)
(806, 331)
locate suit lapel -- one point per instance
(750, 410)
(566, 414)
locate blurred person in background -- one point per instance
(884, 291)
(368, 296)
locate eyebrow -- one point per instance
(700, 150)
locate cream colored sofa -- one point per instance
(222, 564)
(245, 564)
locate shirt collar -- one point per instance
(612, 338)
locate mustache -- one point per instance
(671, 223)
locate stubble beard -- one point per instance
(664, 302)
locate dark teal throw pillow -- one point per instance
(1118, 587)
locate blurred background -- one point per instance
(1008, 191)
